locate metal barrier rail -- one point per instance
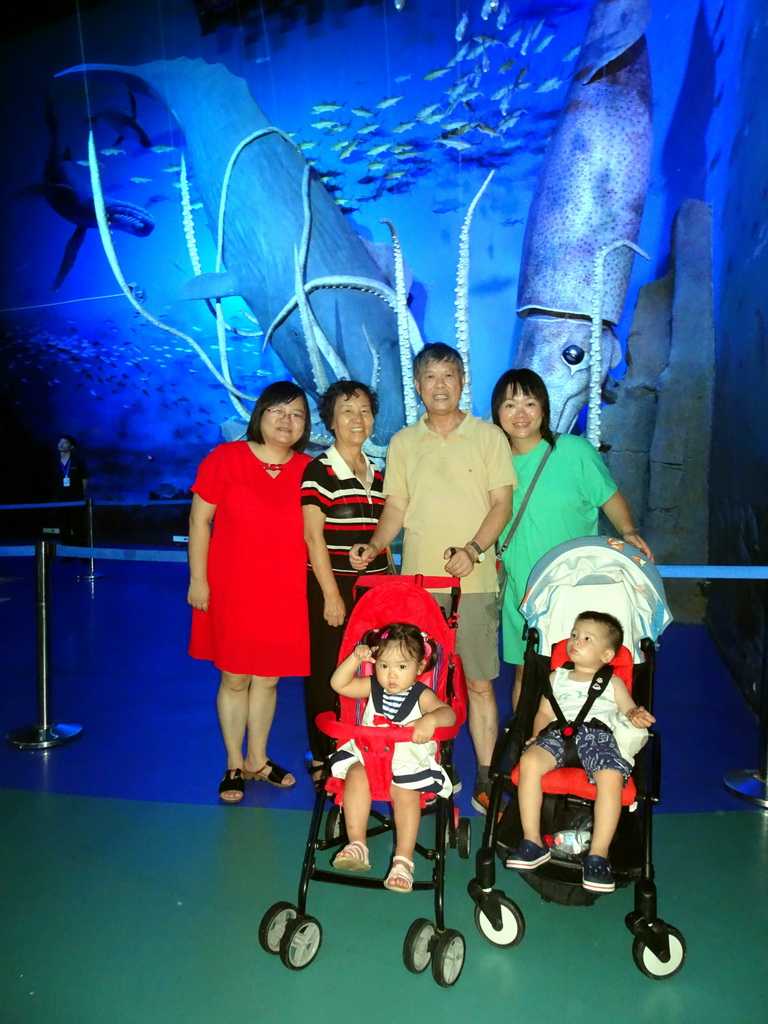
(89, 504)
(126, 504)
(46, 733)
(750, 783)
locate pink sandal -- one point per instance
(354, 857)
(402, 871)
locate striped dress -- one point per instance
(413, 764)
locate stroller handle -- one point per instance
(375, 737)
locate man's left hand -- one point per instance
(458, 562)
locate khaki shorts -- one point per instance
(477, 636)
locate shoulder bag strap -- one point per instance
(525, 501)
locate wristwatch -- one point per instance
(478, 549)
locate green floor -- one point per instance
(118, 911)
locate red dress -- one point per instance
(257, 622)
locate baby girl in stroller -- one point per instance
(395, 656)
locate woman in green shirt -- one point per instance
(564, 504)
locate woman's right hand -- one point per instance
(360, 555)
(199, 595)
(335, 610)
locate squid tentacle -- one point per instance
(462, 292)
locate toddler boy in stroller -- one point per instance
(560, 724)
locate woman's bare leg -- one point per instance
(262, 700)
(232, 705)
(517, 686)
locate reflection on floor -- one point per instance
(129, 895)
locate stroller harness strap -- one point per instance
(567, 729)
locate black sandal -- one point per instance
(232, 786)
(274, 776)
(317, 774)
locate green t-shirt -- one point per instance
(564, 505)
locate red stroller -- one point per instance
(287, 930)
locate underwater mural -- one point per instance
(349, 145)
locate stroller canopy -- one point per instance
(595, 574)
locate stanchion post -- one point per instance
(44, 734)
(42, 565)
(91, 574)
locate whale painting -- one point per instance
(276, 208)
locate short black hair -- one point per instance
(437, 352)
(614, 631)
(280, 393)
(529, 383)
(326, 405)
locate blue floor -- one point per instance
(119, 668)
(130, 896)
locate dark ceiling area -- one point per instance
(26, 15)
(20, 16)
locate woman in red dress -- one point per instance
(247, 577)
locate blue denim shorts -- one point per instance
(597, 751)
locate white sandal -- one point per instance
(354, 857)
(402, 870)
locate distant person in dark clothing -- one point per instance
(70, 484)
(71, 472)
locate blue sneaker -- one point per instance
(528, 856)
(596, 874)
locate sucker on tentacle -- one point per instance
(403, 339)
(462, 293)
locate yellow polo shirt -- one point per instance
(446, 481)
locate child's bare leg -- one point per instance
(406, 805)
(357, 809)
(609, 784)
(534, 765)
(357, 803)
(407, 808)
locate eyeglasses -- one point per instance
(279, 412)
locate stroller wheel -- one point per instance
(334, 824)
(301, 942)
(512, 928)
(417, 948)
(651, 966)
(273, 926)
(448, 958)
(464, 838)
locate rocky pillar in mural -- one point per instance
(658, 431)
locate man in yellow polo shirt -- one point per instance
(448, 486)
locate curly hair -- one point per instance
(326, 405)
